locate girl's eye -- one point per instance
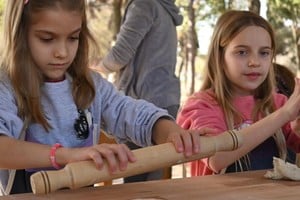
(265, 53)
(46, 39)
(241, 52)
(74, 38)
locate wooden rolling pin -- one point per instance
(84, 173)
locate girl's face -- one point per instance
(248, 58)
(53, 39)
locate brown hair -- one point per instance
(17, 62)
(285, 79)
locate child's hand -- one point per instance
(117, 156)
(187, 141)
(292, 106)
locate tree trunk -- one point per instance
(298, 46)
(254, 6)
(117, 17)
(192, 44)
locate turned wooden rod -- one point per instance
(84, 173)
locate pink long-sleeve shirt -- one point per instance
(202, 110)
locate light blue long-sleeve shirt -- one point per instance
(123, 117)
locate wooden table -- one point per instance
(235, 186)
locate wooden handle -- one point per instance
(84, 173)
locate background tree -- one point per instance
(188, 43)
(105, 20)
(286, 13)
(254, 6)
(1, 12)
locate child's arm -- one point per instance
(259, 131)
(17, 154)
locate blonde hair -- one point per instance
(228, 26)
(24, 74)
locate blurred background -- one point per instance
(195, 32)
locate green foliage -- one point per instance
(284, 16)
(285, 13)
(1, 11)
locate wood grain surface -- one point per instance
(235, 186)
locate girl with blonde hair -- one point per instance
(239, 90)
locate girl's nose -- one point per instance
(61, 51)
(253, 61)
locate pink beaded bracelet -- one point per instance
(52, 155)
